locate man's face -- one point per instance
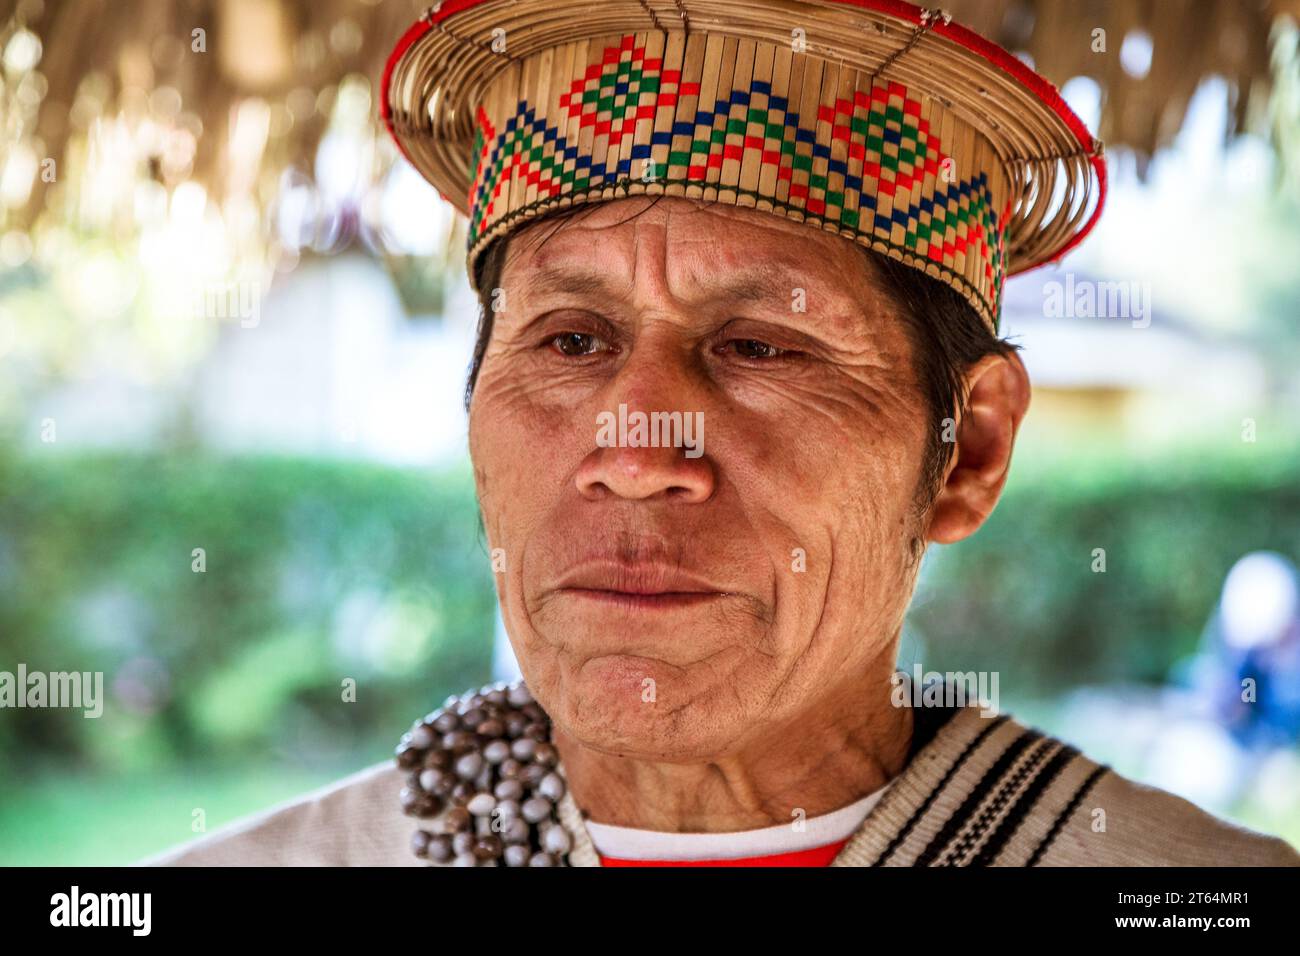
(677, 607)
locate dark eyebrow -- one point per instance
(753, 286)
(552, 279)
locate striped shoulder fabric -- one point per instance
(988, 791)
(985, 792)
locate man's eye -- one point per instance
(577, 343)
(754, 349)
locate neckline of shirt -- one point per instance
(629, 843)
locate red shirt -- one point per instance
(816, 856)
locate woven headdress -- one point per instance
(873, 119)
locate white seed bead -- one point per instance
(557, 841)
(481, 804)
(552, 787)
(536, 809)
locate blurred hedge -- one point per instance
(1021, 597)
(323, 570)
(316, 571)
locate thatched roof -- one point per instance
(141, 58)
(1189, 40)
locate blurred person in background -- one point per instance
(1252, 653)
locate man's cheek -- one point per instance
(522, 474)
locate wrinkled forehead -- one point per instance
(686, 245)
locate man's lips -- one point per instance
(638, 586)
(665, 601)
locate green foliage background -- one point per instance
(250, 655)
(1021, 596)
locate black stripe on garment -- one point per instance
(897, 841)
(1023, 806)
(1064, 815)
(991, 779)
(974, 833)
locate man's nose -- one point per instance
(641, 473)
(658, 385)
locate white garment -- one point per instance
(626, 843)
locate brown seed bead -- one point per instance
(473, 717)
(546, 754)
(459, 741)
(534, 713)
(461, 793)
(532, 775)
(408, 757)
(509, 769)
(492, 728)
(515, 724)
(538, 732)
(489, 847)
(437, 760)
(420, 840)
(440, 850)
(456, 820)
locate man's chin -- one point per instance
(644, 708)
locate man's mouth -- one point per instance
(640, 586)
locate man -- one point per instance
(738, 365)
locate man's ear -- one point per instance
(973, 481)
